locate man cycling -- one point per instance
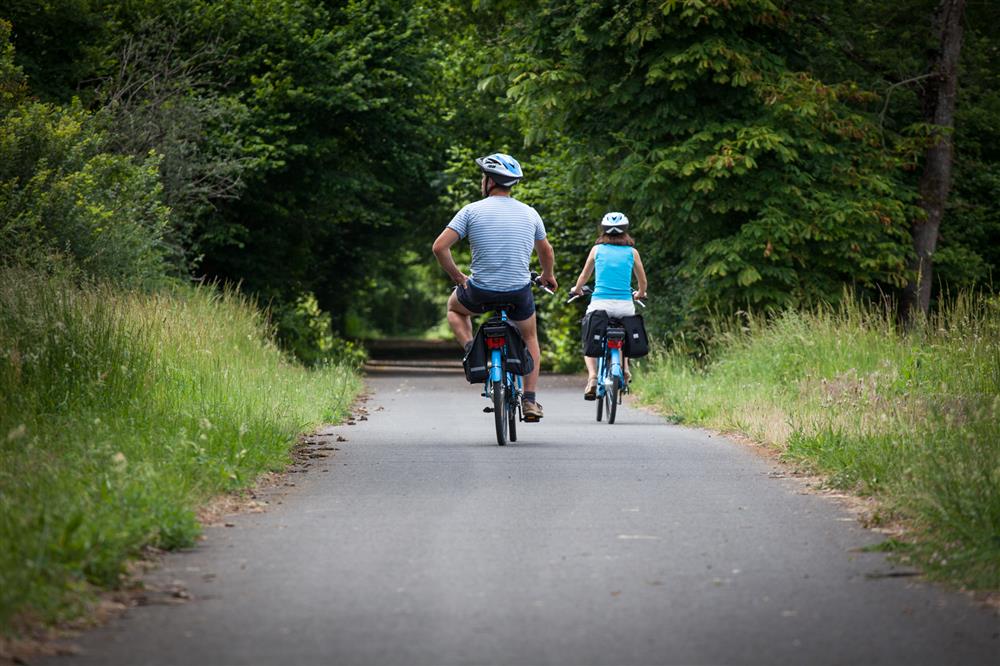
(502, 233)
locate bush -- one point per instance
(61, 195)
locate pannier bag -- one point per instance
(595, 324)
(519, 361)
(636, 340)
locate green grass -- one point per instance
(121, 413)
(910, 418)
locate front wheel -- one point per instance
(500, 412)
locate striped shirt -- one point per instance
(502, 232)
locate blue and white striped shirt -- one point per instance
(502, 232)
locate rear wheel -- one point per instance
(500, 412)
(612, 397)
(512, 417)
(600, 398)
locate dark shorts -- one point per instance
(521, 302)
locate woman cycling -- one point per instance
(614, 259)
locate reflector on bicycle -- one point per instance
(498, 330)
(496, 343)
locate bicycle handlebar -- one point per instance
(536, 280)
(587, 291)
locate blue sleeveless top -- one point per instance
(613, 270)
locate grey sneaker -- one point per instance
(590, 393)
(468, 346)
(532, 411)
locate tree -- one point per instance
(754, 182)
(938, 101)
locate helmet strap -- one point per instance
(487, 188)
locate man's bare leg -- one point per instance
(460, 320)
(529, 331)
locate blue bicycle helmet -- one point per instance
(503, 169)
(614, 223)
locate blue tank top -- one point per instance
(613, 270)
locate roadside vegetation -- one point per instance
(911, 418)
(122, 412)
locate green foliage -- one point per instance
(305, 331)
(62, 194)
(760, 184)
(122, 413)
(341, 125)
(911, 419)
(891, 57)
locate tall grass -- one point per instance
(120, 413)
(910, 417)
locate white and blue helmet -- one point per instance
(503, 169)
(614, 223)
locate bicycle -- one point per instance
(612, 384)
(503, 388)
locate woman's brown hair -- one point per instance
(615, 239)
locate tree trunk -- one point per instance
(939, 109)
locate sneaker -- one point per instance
(532, 411)
(468, 346)
(590, 393)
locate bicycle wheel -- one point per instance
(500, 412)
(600, 398)
(612, 396)
(512, 416)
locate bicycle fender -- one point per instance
(616, 364)
(495, 365)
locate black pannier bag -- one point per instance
(474, 362)
(636, 340)
(595, 324)
(519, 360)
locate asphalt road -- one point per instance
(422, 542)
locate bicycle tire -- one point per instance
(512, 418)
(612, 396)
(500, 412)
(600, 400)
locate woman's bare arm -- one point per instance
(640, 274)
(588, 270)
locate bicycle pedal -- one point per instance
(487, 410)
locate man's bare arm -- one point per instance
(442, 251)
(547, 258)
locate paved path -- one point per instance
(422, 542)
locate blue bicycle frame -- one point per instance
(496, 366)
(606, 376)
